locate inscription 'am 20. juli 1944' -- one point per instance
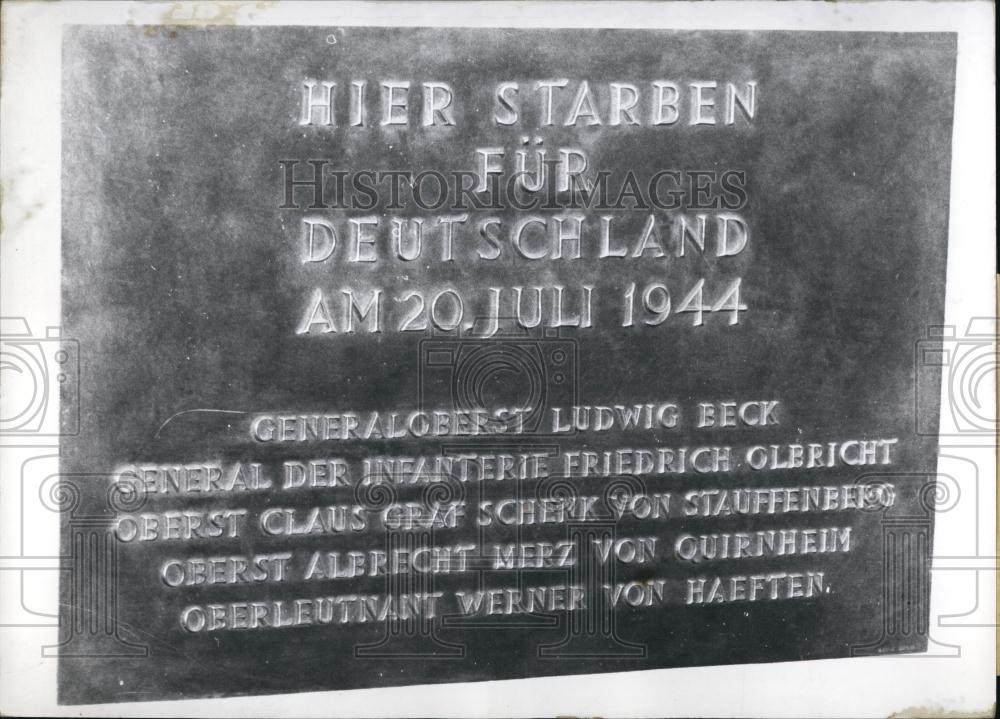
(594, 352)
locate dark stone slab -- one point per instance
(184, 287)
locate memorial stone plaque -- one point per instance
(420, 355)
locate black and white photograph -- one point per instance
(498, 359)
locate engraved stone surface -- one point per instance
(440, 355)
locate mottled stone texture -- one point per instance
(183, 284)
